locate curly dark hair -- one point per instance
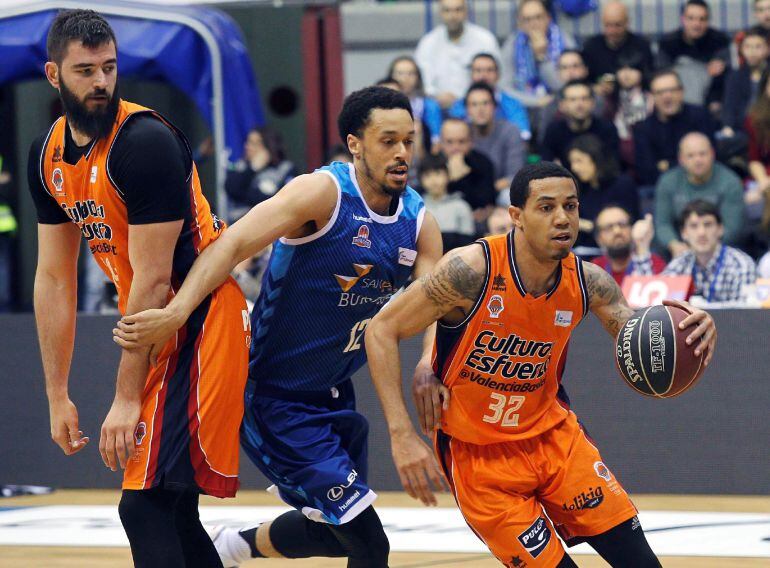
(85, 26)
(358, 107)
(520, 185)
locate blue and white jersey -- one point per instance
(319, 292)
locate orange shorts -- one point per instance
(513, 493)
(192, 406)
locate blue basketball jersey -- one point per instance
(319, 292)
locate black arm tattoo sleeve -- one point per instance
(453, 285)
(606, 299)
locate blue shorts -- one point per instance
(312, 446)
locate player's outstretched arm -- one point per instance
(447, 292)
(607, 302)
(306, 199)
(55, 309)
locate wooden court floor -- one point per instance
(83, 556)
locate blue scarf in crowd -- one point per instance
(527, 78)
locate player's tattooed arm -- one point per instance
(456, 283)
(605, 298)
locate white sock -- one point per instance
(232, 546)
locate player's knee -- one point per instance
(131, 510)
(625, 546)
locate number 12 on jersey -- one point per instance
(504, 409)
(356, 333)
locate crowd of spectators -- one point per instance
(669, 140)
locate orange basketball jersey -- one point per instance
(87, 195)
(503, 363)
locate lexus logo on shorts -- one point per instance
(536, 537)
(335, 493)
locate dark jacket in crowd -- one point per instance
(740, 94)
(655, 140)
(618, 191)
(558, 137)
(601, 59)
(713, 45)
(478, 187)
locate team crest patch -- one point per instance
(563, 318)
(57, 179)
(362, 238)
(602, 471)
(140, 432)
(495, 306)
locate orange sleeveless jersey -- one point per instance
(88, 196)
(503, 363)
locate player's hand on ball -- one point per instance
(430, 398)
(416, 467)
(116, 443)
(150, 327)
(704, 334)
(64, 426)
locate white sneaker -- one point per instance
(220, 536)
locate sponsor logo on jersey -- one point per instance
(498, 283)
(490, 383)
(94, 173)
(347, 282)
(364, 219)
(536, 537)
(57, 179)
(56, 154)
(495, 306)
(85, 213)
(140, 432)
(657, 347)
(497, 355)
(563, 318)
(362, 238)
(585, 500)
(406, 256)
(336, 492)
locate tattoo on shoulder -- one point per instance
(454, 282)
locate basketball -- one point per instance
(652, 354)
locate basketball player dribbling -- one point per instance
(349, 236)
(517, 460)
(123, 177)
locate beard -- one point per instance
(384, 187)
(94, 124)
(619, 252)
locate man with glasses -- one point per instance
(656, 139)
(626, 247)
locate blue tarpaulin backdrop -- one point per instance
(198, 50)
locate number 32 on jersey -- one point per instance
(503, 410)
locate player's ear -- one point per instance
(52, 74)
(515, 213)
(354, 145)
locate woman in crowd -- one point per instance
(632, 104)
(261, 172)
(426, 110)
(757, 127)
(600, 184)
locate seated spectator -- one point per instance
(656, 139)
(444, 54)
(531, 53)
(406, 73)
(497, 139)
(632, 105)
(719, 271)
(698, 177)
(757, 127)
(762, 18)
(626, 247)
(615, 47)
(388, 83)
(699, 54)
(261, 172)
(499, 222)
(600, 183)
(471, 173)
(742, 84)
(577, 106)
(484, 69)
(453, 215)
